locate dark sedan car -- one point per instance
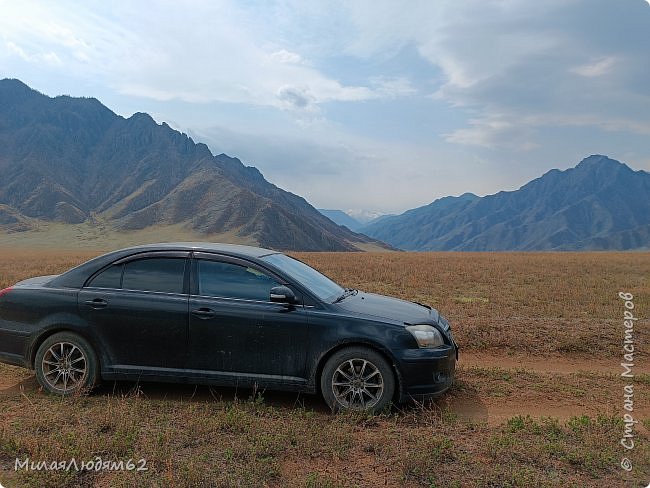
(228, 315)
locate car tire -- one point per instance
(357, 378)
(65, 364)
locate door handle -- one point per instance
(203, 313)
(97, 303)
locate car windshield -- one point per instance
(319, 284)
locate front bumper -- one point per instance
(427, 372)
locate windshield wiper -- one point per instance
(348, 292)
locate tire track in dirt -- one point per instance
(537, 402)
(469, 402)
(553, 364)
(13, 377)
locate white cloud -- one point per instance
(458, 81)
(493, 132)
(49, 57)
(392, 87)
(284, 56)
(512, 64)
(13, 48)
(598, 68)
(199, 52)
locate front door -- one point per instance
(236, 331)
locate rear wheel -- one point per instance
(65, 364)
(357, 378)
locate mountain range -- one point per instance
(600, 204)
(353, 219)
(341, 218)
(74, 161)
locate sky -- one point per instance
(374, 105)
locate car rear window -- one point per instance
(155, 274)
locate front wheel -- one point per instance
(357, 378)
(65, 364)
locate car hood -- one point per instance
(389, 308)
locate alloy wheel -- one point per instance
(357, 384)
(64, 366)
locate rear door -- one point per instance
(138, 310)
(234, 327)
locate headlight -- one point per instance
(426, 335)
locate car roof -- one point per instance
(230, 249)
(76, 277)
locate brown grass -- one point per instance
(528, 305)
(537, 303)
(534, 303)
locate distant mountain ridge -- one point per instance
(353, 219)
(341, 218)
(73, 160)
(601, 204)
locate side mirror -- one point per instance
(282, 294)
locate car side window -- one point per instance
(229, 280)
(111, 277)
(155, 274)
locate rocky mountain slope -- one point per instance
(600, 204)
(73, 160)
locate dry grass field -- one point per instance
(538, 399)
